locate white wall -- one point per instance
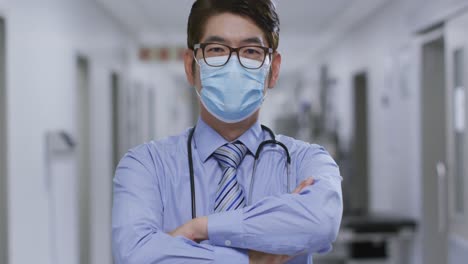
(173, 96)
(384, 45)
(379, 46)
(43, 40)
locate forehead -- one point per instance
(233, 29)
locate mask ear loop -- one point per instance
(195, 58)
(265, 89)
(198, 63)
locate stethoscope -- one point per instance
(271, 141)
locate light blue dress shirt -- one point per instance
(152, 197)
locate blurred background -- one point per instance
(380, 83)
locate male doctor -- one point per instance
(281, 215)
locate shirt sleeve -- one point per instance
(290, 224)
(137, 235)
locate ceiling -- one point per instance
(162, 20)
(306, 16)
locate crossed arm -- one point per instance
(197, 230)
(271, 230)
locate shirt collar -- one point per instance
(207, 140)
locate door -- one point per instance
(457, 136)
(84, 170)
(433, 148)
(3, 152)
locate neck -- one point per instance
(230, 132)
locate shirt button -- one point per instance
(227, 243)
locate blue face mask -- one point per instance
(232, 93)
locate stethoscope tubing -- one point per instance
(271, 141)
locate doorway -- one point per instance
(3, 151)
(433, 149)
(359, 203)
(84, 168)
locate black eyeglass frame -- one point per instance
(268, 52)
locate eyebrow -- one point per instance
(215, 39)
(252, 40)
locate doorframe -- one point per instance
(116, 135)
(363, 202)
(457, 222)
(151, 113)
(83, 92)
(421, 40)
(4, 217)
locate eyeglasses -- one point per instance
(218, 55)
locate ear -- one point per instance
(188, 64)
(275, 70)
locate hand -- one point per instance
(303, 184)
(195, 229)
(256, 257)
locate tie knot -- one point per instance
(231, 154)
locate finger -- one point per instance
(303, 184)
(299, 187)
(310, 181)
(307, 182)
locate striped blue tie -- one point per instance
(229, 195)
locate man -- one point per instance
(232, 61)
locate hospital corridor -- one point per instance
(380, 84)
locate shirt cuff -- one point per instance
(231, 256)
(224, 229)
